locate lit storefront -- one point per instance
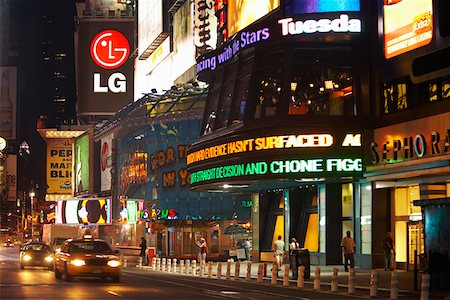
(284, 121)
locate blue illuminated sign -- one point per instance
(296, 7)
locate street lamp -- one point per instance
(32, 194)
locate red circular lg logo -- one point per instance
(110, 49)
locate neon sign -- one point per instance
(276, 167)
(343, 24)
(272, 142)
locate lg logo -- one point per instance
(110, 50)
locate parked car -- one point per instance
(36, 254)
(87, 257)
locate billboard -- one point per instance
(11, 177)
(296, 7)
(105, 70)
(8, 102)
(152, 22)
(82, 164)
(408, 25)
(84, 211)
(205, 26)
(106, 154)
(242, 13)
(59, 166)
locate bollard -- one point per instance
(209, 269)
(259, 278)
(139, 262)
(334, 281)
(182, 266)
(188, 266)
(169, 265)
(248, 277)
(219, 270)
(301, 277)
(237, 270)
(154, 263)
(274, 274)
(228, 274)
(125, 262)
(351, 281)
(374, 284)
(286, 275)
(265, 270)
(395, 277)
(317, 278)
(163, 264)
(158, 264)
(174, 265)
(194, 267)
(202, 270)
(425, 287)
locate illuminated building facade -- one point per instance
(410, 147)
(286, 121)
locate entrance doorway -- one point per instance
(415, 242)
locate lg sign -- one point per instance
(110, 50)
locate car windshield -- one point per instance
(38, 247)
(90, 247)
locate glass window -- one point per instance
(241, 92)
(213, 100)
(322, 84)
(226, 96)
(395, 97)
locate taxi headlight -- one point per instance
(27, 257)
(49, 259)
(113, 263)
(78, 262)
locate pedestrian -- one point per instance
(348, 248)
(247, 249)
(278, 247)
(293, 257)
(389, 251)
(143, 246)
(203, 251)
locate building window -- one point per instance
(322, 84)
(395, 97)
(212, 103)
(241, 92)
(226, 96)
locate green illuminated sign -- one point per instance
(279, 167)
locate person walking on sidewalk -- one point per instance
(278, 247)
(348, 248)
(389, 251)
(247, 249)
(203, 251)
(143, 246)
(293, 257)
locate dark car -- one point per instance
(87, 257)
(36, 254)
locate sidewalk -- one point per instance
(362, 278)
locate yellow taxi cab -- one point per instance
(87, 257)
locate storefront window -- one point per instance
(395, 97)
(322, 84)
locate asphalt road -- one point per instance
(38, 283)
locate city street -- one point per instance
(37, 283)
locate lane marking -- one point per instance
(114, 294)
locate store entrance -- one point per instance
(415, 242)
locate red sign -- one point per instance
(110, 49)
(105, 153)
